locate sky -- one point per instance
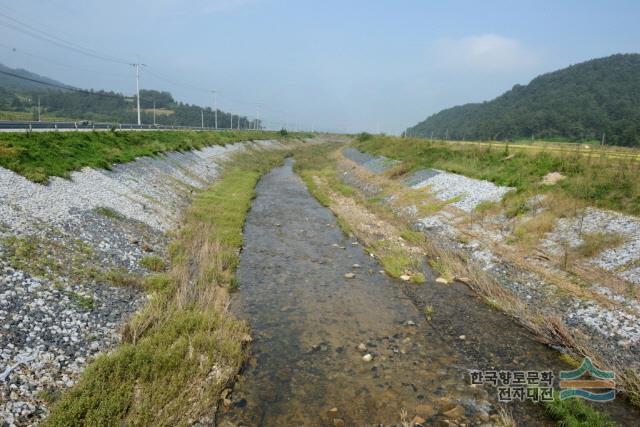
(346, 66)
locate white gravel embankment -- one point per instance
(471, 192)
(144, 190)
(50, 328)
(623, 260)
(615, 331)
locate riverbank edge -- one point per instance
(183, 348)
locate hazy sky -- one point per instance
(336, 65)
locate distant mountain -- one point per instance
(19, 95)
(13, 84)
(578, 103)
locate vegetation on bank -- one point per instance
(594, 179)
(181, 350)
(37, 156)
(318, 170)
(576, 413)
(586, 101)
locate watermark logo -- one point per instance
(536, 386)
(584, 381)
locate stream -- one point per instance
(308, 320)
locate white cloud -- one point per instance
(487, 53)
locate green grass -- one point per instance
(39, 155)
(120, 277)
(108, 212)
(428, 312)
(604, 182)
(164, 373)
(160, 282)
(576, 413)
(83, 302)
(397, 261)
(52, 256)
(153, 263)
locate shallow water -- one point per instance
(307, 320)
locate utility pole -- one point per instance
(154, 112)
(202, 118)
(257, 115)
(215, 108)
(230, 121)
(137, 67)
(39, 108)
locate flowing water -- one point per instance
(308, 319)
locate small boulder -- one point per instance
(349, 276)
(367, 357)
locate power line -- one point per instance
(58, 63)
(24, 28)
(61, 40)
(176, 83)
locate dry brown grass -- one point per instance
(528, 231)
(594, 243)
(505, 418)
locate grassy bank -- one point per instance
(316, 166)
(182, 349)
(37, 156)
(595, 179)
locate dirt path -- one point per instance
(307, 320)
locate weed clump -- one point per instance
(594, 243)
(108, 212)
(153, 263)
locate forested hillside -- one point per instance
(578, 103)
(19, 98)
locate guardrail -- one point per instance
(8, 126)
